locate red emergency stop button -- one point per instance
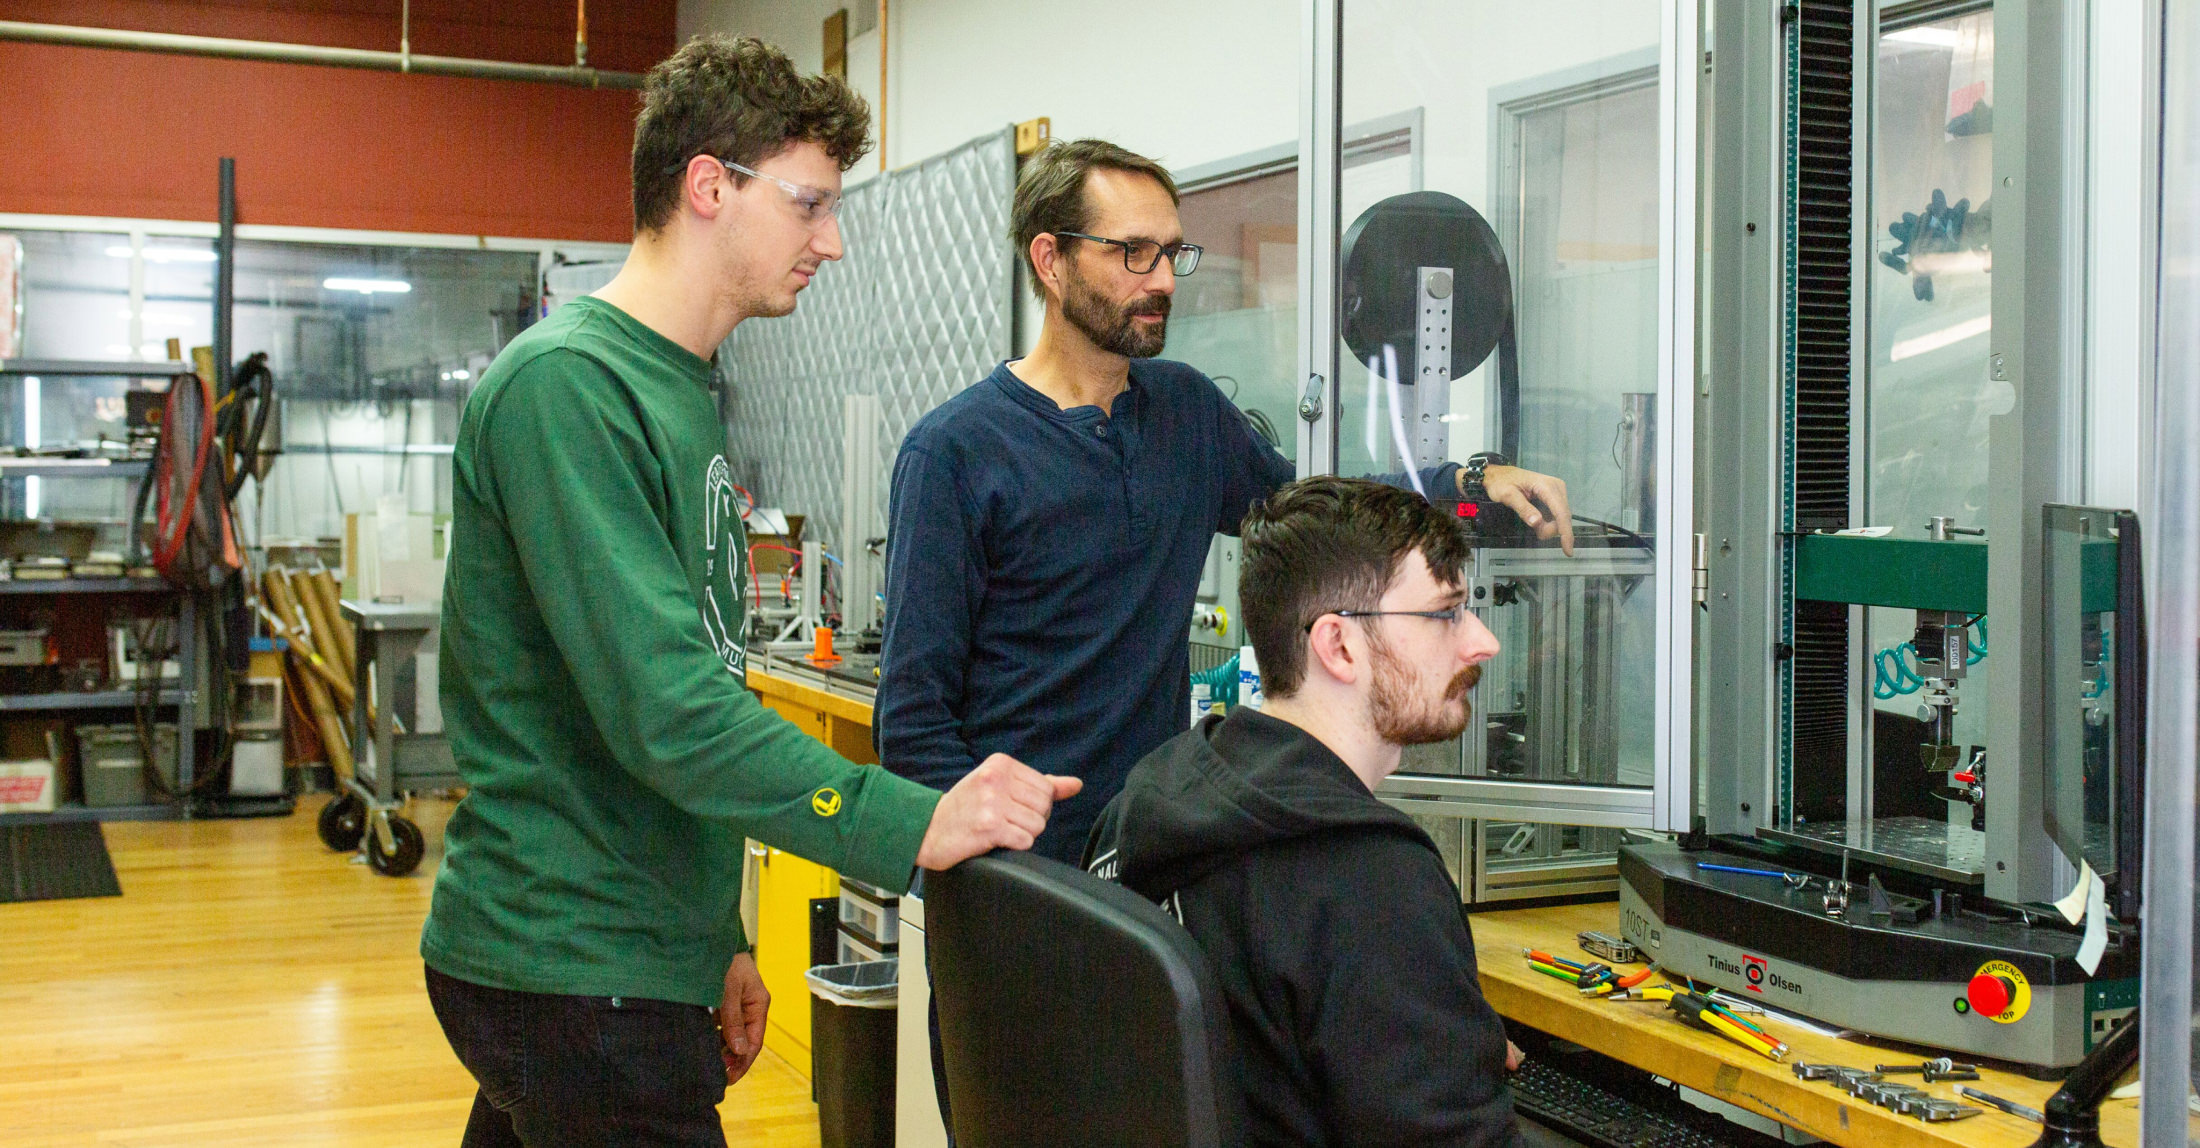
(1991, 995)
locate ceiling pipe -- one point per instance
(405, 61)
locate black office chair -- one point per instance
(1074, 1012)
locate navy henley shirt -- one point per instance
(1041, 569)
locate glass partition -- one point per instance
(1234, 318)
(1512, 290)
(374, 349)
(1930, 292)
(2081, 552)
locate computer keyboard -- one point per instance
(1595, 1117)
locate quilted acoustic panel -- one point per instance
(920, 307)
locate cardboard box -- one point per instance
(763, 527)
(26, 787)
(392, 555)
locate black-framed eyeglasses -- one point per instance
(1141, 256)
(1453, 614)
(814, 204)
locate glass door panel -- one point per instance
(1520, 296)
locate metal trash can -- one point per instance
(852, 1032)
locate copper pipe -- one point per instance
(225, 48)
(882, 85)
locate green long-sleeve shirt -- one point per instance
(592, 685)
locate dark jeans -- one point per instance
(558, 1070)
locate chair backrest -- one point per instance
(1073, 1011)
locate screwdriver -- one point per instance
(2009, 1106)
(1568, 975)
(1701, 1011)
(1627, 982)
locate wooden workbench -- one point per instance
(1647, 1036)
(1651, 1037)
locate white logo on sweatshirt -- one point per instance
(725, 567)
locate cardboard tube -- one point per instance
(324, 584)
(286, 609)
(325, 624)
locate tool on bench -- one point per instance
(2009, 1106)
(1585, 975)
(1620, 985)
(1702, 1011)
(1934, 1070)
(1617, 950)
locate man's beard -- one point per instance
(1111, 327)
(1401, 716)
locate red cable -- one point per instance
(755, 583)
(166, 554)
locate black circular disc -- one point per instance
(1384, 250)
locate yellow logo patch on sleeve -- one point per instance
(825, 802)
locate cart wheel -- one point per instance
(342, 822)
(411, 846)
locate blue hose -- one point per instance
(1221, 681)
(1901, 680)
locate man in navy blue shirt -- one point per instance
(1048, 525)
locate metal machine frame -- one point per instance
(1729, 677)
(1734, 933)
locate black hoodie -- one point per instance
(1333, 928)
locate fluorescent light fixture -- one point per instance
(368, 286)
(462, 374)
(165, 254)
(1928, 36)
(1945, 337)
(164, 318)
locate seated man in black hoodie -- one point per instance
(1333, 928)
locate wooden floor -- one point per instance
(251, 988)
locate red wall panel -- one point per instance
(134, 134)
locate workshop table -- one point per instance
(1646, 1036)
(389, 765)
(1652, 1038)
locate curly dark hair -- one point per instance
(1050, 192)
(740, 100)
(1327, 543)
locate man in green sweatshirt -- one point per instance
(585, 923)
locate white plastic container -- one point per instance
(1249, 694)
(1203, 699)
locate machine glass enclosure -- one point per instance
(1524, 286)
(2080, 636)
(1929, 399)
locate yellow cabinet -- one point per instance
(785, 886)
(786, 883)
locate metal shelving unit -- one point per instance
(94, 368)
(44, 467)
(88, 700)
(77, 811)
(84, 586)
(180, 700)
